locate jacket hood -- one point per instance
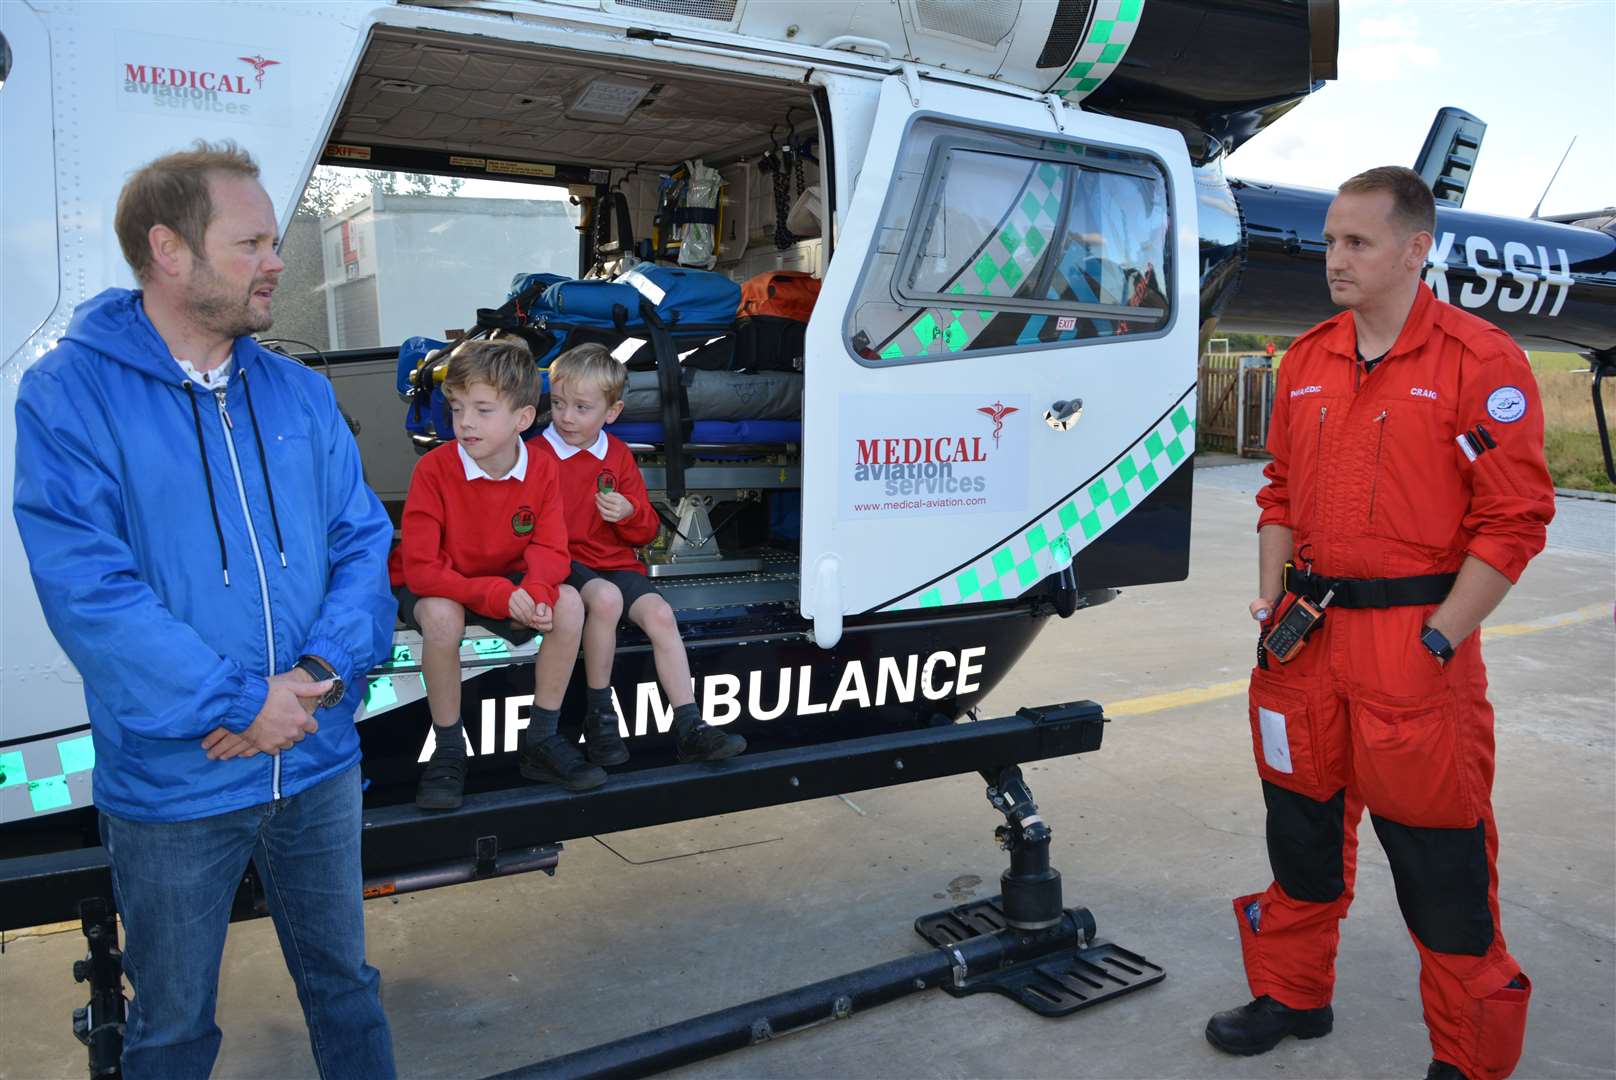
(114, 324)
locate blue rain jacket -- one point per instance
(176, 607)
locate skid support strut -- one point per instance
(99, 1025)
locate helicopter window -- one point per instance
(997, 241)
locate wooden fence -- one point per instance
(1236, 398)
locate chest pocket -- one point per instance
(1414, 495)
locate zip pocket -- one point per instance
(1374, 477)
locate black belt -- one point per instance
(1370, 592)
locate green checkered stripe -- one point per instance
(1051, 543)
(998, 270)
(389, 689)
(41, 778)
(1110, 32)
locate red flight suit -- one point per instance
(1379, 476)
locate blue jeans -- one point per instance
(174, 882)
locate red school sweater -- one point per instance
(463, 537)
(591, 539)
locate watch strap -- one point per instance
(1437, 643)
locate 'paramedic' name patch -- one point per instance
(1506, 404)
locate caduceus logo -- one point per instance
(998, 411)
(260, 65)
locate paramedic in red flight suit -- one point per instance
(1407, 477)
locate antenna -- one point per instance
(1553, 178)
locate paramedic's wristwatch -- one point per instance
(1436, 643)
(320, 671)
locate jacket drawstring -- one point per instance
(263, 463)
(207, 475)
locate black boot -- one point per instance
(1443, 1070)
(443, 782)
(554, 760)
(602, 743)
(1257, 1027)
(698, 741)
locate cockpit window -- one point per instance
(995, 241)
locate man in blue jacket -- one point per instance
(209, 557)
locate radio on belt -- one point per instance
(1303, 617)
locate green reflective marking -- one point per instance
(1147, 476)
(1048, 174)
(892, 352)
(993, 591)
(925, 330)
(490, 647)
(985, 314)
(1010, 239)
(1091, 525)
(401, 655)
(1061, 549)
(1068, 516)
(1088, 84)
(1052, 207)
(1080, 69)
(78, 755)
(1127, 469)
(1129, 11)
(931, 598)
(1098, 491)
(1101, 33)
(986, 269)
(1153, 444)
(1012, 273)
(1037, 539)
(1175, 453)
(967, 582)
(1003, 561)
(13, 770)
(958, 288)
(1181, 420)
(1120, 502)
(1031, 206)
(1027, 572)
(1035, 242)
(380, 694)
(49, 794)
(1111, 54)
(955, 336)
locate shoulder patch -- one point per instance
(1506, 404)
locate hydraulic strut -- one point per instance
(100, 1024)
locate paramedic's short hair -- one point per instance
(173, 191)
(591, 363)
(504, 363)
(1412, 204)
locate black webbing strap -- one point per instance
(676, 419)
(1369, 592)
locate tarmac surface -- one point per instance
(1154, 833)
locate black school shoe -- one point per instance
(1443, 1070)
(554, 760)
(699, 741)
(1258, 1026)
(443, 783)
(602, 743)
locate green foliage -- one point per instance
(332, 190)
(1575, 460)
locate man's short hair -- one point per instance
(1412, 204)
(173, 191)
(593, 365)
(503, 363)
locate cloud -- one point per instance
(1387, 61)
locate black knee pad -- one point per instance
(1442, 881)
(1304, 843)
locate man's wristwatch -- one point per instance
(320, 671)
(1436, 643)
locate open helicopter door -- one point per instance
(1002, 358)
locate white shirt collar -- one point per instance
(216, 379)
(475, 471)
(565, 450)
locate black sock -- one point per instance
(686, 716)
(543, 724)
(600, 701)
(451, 740)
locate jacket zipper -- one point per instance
(258, 560)
(1374, 478)
(1318, 455)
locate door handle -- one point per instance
(1064, 415)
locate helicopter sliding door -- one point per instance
(1002, 360)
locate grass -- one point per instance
(1575, 461)
(1557, 361)
(1571, 439)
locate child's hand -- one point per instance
(522, 607)
(543, 618)
(613, 506)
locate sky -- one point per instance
(1536, 71)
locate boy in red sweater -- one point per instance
(484, 540)
(608, 516)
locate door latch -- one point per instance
(1064, 415)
